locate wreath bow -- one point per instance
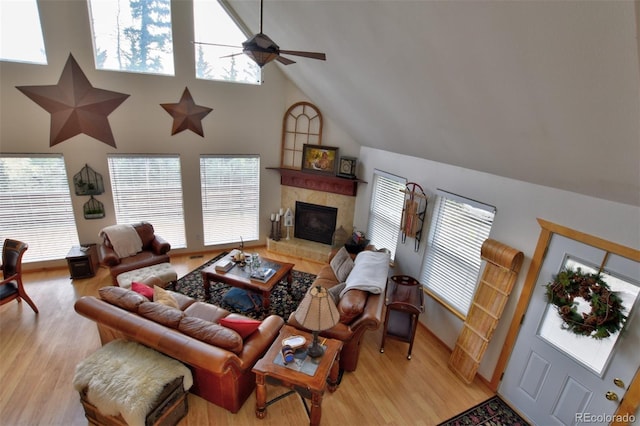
(606, 316)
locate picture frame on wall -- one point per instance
(320, 159)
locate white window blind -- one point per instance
(452, 262)
(36, 205)
(230, 188)
(385, 210)
(149, 188)
(21, 33)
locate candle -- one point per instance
(273, 217)
(281, 211)
(278, 218)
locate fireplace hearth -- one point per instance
(314, 222)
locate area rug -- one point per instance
(492, 412)
(282, 302)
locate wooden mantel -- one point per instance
(318, 182)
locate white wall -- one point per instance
(246, 119)
(518, 205)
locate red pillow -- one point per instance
(244, 327)
(142, 289)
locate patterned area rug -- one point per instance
(282, 301)
(492, 412)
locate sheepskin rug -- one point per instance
(126, 378)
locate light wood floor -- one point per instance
(38, 355)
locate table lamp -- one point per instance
(317, 312)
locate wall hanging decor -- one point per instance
(76, 106)
(302, 124)
(93, 209)
(88, 182)
(413, 213)
(186, 114)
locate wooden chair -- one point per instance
(11, 286)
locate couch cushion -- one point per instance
(341, 264)
(335, 291)
(243, 326)
(162, 314)
(351, 305)
(213, 334)
(206, 311)
(122, 297)
(146, 233)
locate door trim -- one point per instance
(632, 398)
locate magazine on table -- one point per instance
(263, 274)
(301, 362)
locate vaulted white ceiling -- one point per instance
(541, 91)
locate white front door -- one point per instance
(555, 377)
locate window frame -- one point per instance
(37, 208)
(449, 272)
(235, 214)
(384, 220)
(148, 190)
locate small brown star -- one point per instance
(76, 106)
(186, 114)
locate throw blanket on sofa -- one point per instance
(124, 239)
(126, 378)
(369, 273)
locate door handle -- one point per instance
(618, 382)
(611, 396)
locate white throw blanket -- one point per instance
(126, 378)
(124, 239)
(369, 273)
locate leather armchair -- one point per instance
(155, 250)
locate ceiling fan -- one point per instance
(262, 50)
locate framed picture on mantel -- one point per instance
(320, 159)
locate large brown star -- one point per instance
(186, 114)
(76, 106)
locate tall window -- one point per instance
(225, 61)
(36, 205)
(132, 35)
(149, 188)
(230, 187)
(21, 33)
(385, 210)
(452, 261)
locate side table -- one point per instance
(308, 386)
(82, 261)
(405, 302)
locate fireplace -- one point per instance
(314, 222)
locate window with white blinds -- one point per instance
(230, 188)
(385, 210)
(149, 188)
(36, 205)
(452, 262)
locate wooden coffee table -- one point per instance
(238, 277)
(310, 387)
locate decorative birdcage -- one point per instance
(88, 182)
(93, 209)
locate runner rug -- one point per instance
(492, 412)
(282, 301)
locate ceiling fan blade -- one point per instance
(312, 55)
(232, 55)
(285, 61)
(215, 44)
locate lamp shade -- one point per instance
(317, 311)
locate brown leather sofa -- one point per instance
(221, 376)
(154, 251)
(359, 311)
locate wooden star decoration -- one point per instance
(186, 114)
(76, 106)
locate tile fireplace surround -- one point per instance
(309, 249)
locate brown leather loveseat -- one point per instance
(221, 376)
(155, 250)
(359, 311)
